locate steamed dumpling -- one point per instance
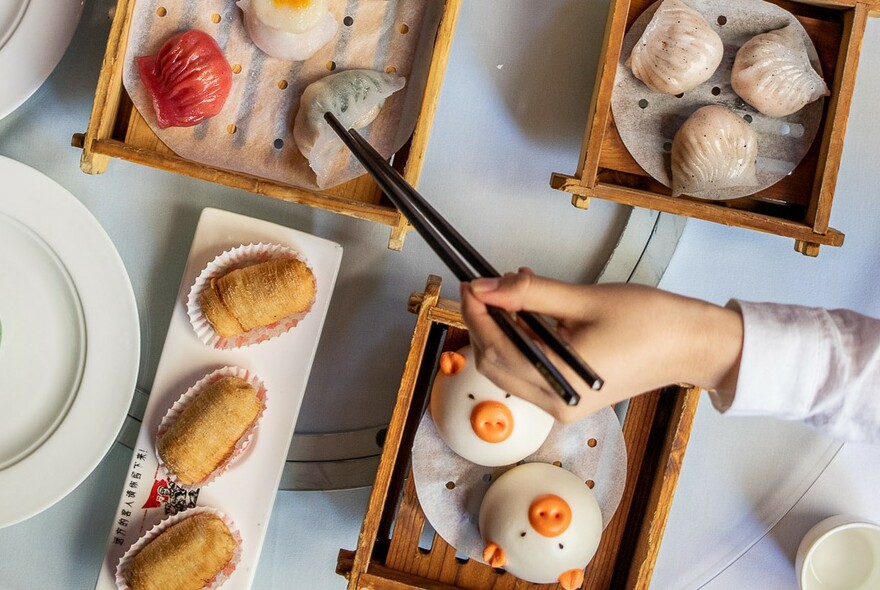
(355, 97)
(713, 150)
(772, 72)
(188, 79)
(289, 29)
(678, 51)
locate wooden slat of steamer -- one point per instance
(658, 478)
(599, 112)
(436, 563)
(439, 562)
(418, 144)
(377, 504)
(656, 431)
(855, 22)
(108, 92)
(254, 184)
(718, 214)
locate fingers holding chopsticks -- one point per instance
(638, 338)
(500, 360)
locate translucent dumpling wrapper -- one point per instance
(355, 97)
(678, 51)
(772, 72)
(292, 30)
(188, 79)
(713, 150)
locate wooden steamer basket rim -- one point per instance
(656, 429)
(798, 206)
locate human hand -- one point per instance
(636, 338)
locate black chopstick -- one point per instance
(467, 264)
(536, 322)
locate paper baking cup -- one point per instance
(122, 568)
(187, 398)
(224, 263)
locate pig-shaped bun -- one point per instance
(478, 420)
(541, 523)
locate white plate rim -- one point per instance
(109, 376)
(36, 46)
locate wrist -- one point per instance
(716, 348)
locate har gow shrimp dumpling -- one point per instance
(713, 150)
(355, 97)
(678, 51)
(772, 72)
(289, 29)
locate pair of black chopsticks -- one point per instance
(468, 264)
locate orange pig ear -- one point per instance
(494, 555)
(451, 363)
(571, 579)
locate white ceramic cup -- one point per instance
(840, 553)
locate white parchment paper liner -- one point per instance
(219, 579)
(187, 398)
(253, 133)
(226, 262)
(450, 488)
(647, 131)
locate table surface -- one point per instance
(512, 110)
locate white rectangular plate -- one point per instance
(246, 491)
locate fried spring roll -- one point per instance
(204, 435)
(258, 295)
(185, 556)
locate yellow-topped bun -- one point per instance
(289, 29)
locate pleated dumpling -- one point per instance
(355, 97)
(772, 72)
(678, 51)
(712, 151)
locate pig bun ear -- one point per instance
(494, 555)
(451, 363)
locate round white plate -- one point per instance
(34, 34)
(69, 341)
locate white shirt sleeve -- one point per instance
(817, 366)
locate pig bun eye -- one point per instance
(522, 534)
(471, 396)
(506, 395)
(561, 546)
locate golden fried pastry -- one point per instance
(258, 295)
(205, 433)
(185, 556)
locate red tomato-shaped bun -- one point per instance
(188, 79)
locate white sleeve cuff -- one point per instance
(780, 361)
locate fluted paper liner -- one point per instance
(224, 263)
(125, 563)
